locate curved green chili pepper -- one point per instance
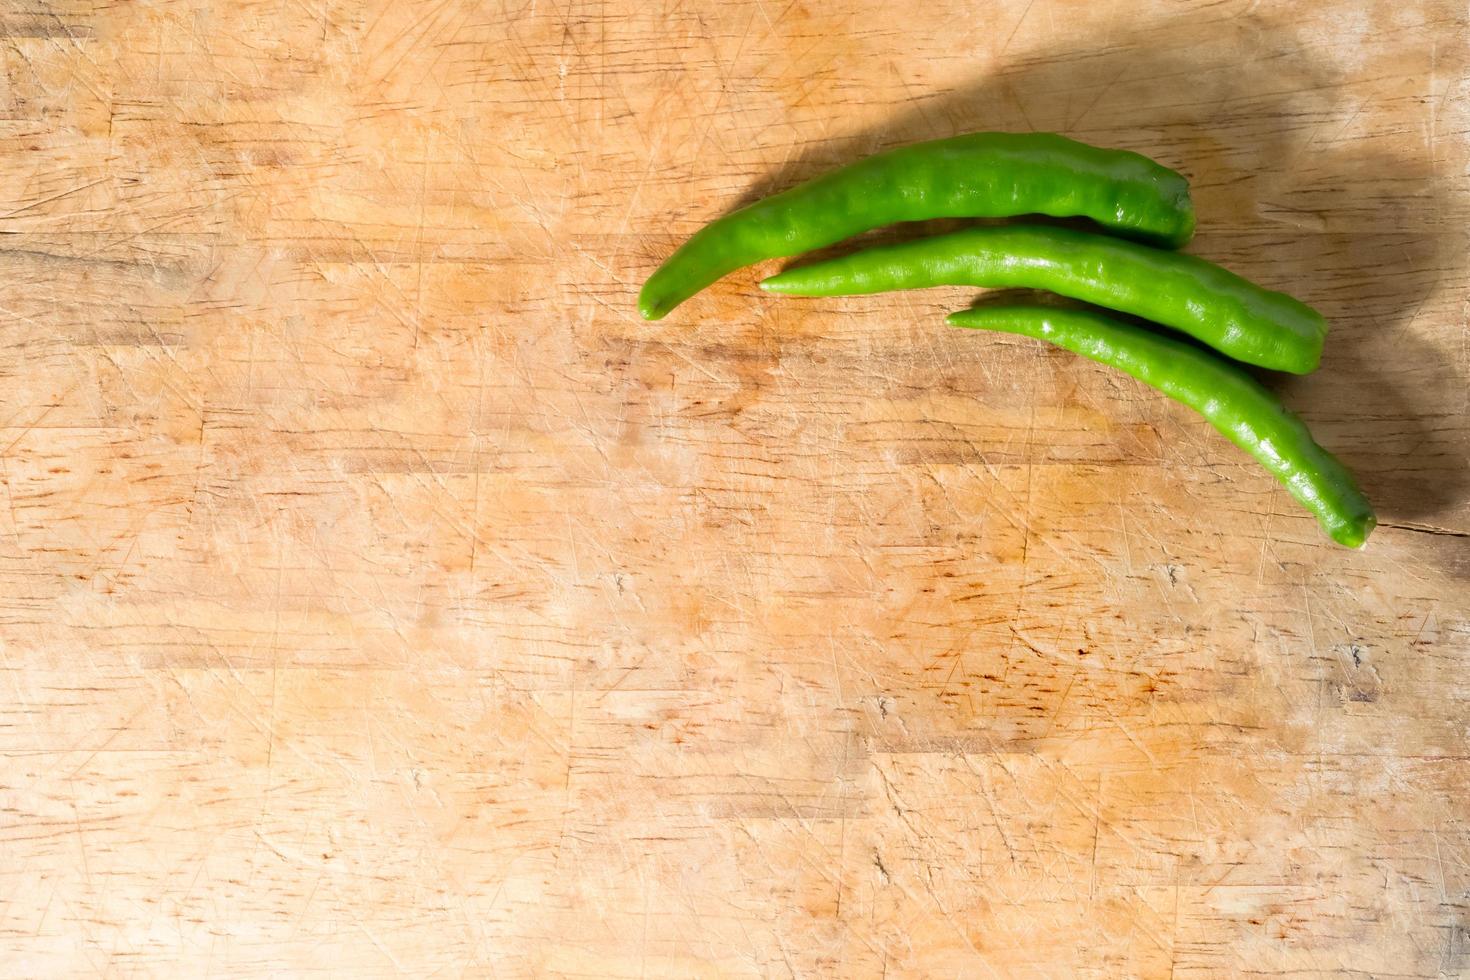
(1229, 399)
(1232, 315)
(982, 175)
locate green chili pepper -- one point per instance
(1234, 316)
(1229, 399)
(982, 175)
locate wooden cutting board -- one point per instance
(380, 596)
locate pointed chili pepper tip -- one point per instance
(650, 308)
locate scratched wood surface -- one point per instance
(379, 596)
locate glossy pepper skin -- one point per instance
(1229, 399)
(1214, 305)
(978, 175)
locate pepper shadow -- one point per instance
(1289, 193)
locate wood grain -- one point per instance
(379, 596)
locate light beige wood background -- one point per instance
(379, 596)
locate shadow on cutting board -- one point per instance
(1288, 193)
